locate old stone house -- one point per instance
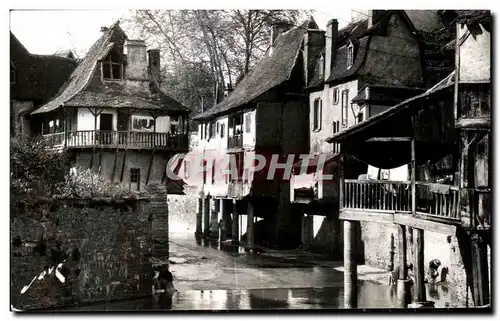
(112, 114)
(34, 79)
(362, 70)
(265, 114)
(442, 210)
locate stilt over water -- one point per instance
(480, 274)
(236, 226)
(350, 267)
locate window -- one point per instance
(135, 176)
(222, 130)
(213, 172)
(335, 98)
(336, 126)
(317, 114)
(212, 129)
(360, 118)
(248, 123)
(345, 97)
(201, 130)
(112, 66)
(217, 127)
(350, 55)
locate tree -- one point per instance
(206, 51)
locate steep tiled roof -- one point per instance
(270, 72)
(340, 70)
(78, 92)
(37, 77)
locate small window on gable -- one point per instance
(335, 98)
(317, 114)
(350, 55)
(359, 118)
(112, 66)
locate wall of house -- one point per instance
(249, 136)
(475, 55)
(267, 120)
(395, 58)
(132, 158)
(330, 112)
(107, 246)
(375, 246)
(295, 127)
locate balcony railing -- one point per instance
(235, 141)
(396, 196)
(119, 139)
(377, 195)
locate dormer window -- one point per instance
(112, 66)
(350, 55)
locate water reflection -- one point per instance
(369, 296)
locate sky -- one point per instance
(79, 29)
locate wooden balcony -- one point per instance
(391, 202)
(118, 139)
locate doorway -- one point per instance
(106, 126)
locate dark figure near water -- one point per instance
(163, 290)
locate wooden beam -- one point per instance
(418, 223)
(475, 123)
(150, 165)
(413, 187)
(123, 165)
(367, 215)
(388, 139)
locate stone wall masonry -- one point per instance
(106, 247)
(182, 210)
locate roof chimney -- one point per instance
(137, 68)
(228, 90)
(104, 29)
(332, 30)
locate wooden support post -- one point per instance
(250, 227)
(65, 124)
(480, 273)
(350, 266)
(206, 217)
(150, 165)
(114, 166)
(403, 267)
(199, 219)
(236, 226)
(403, 284)
(123, 165)
(419, 266)
(341, 181)
(413, 186)
(214, 216)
